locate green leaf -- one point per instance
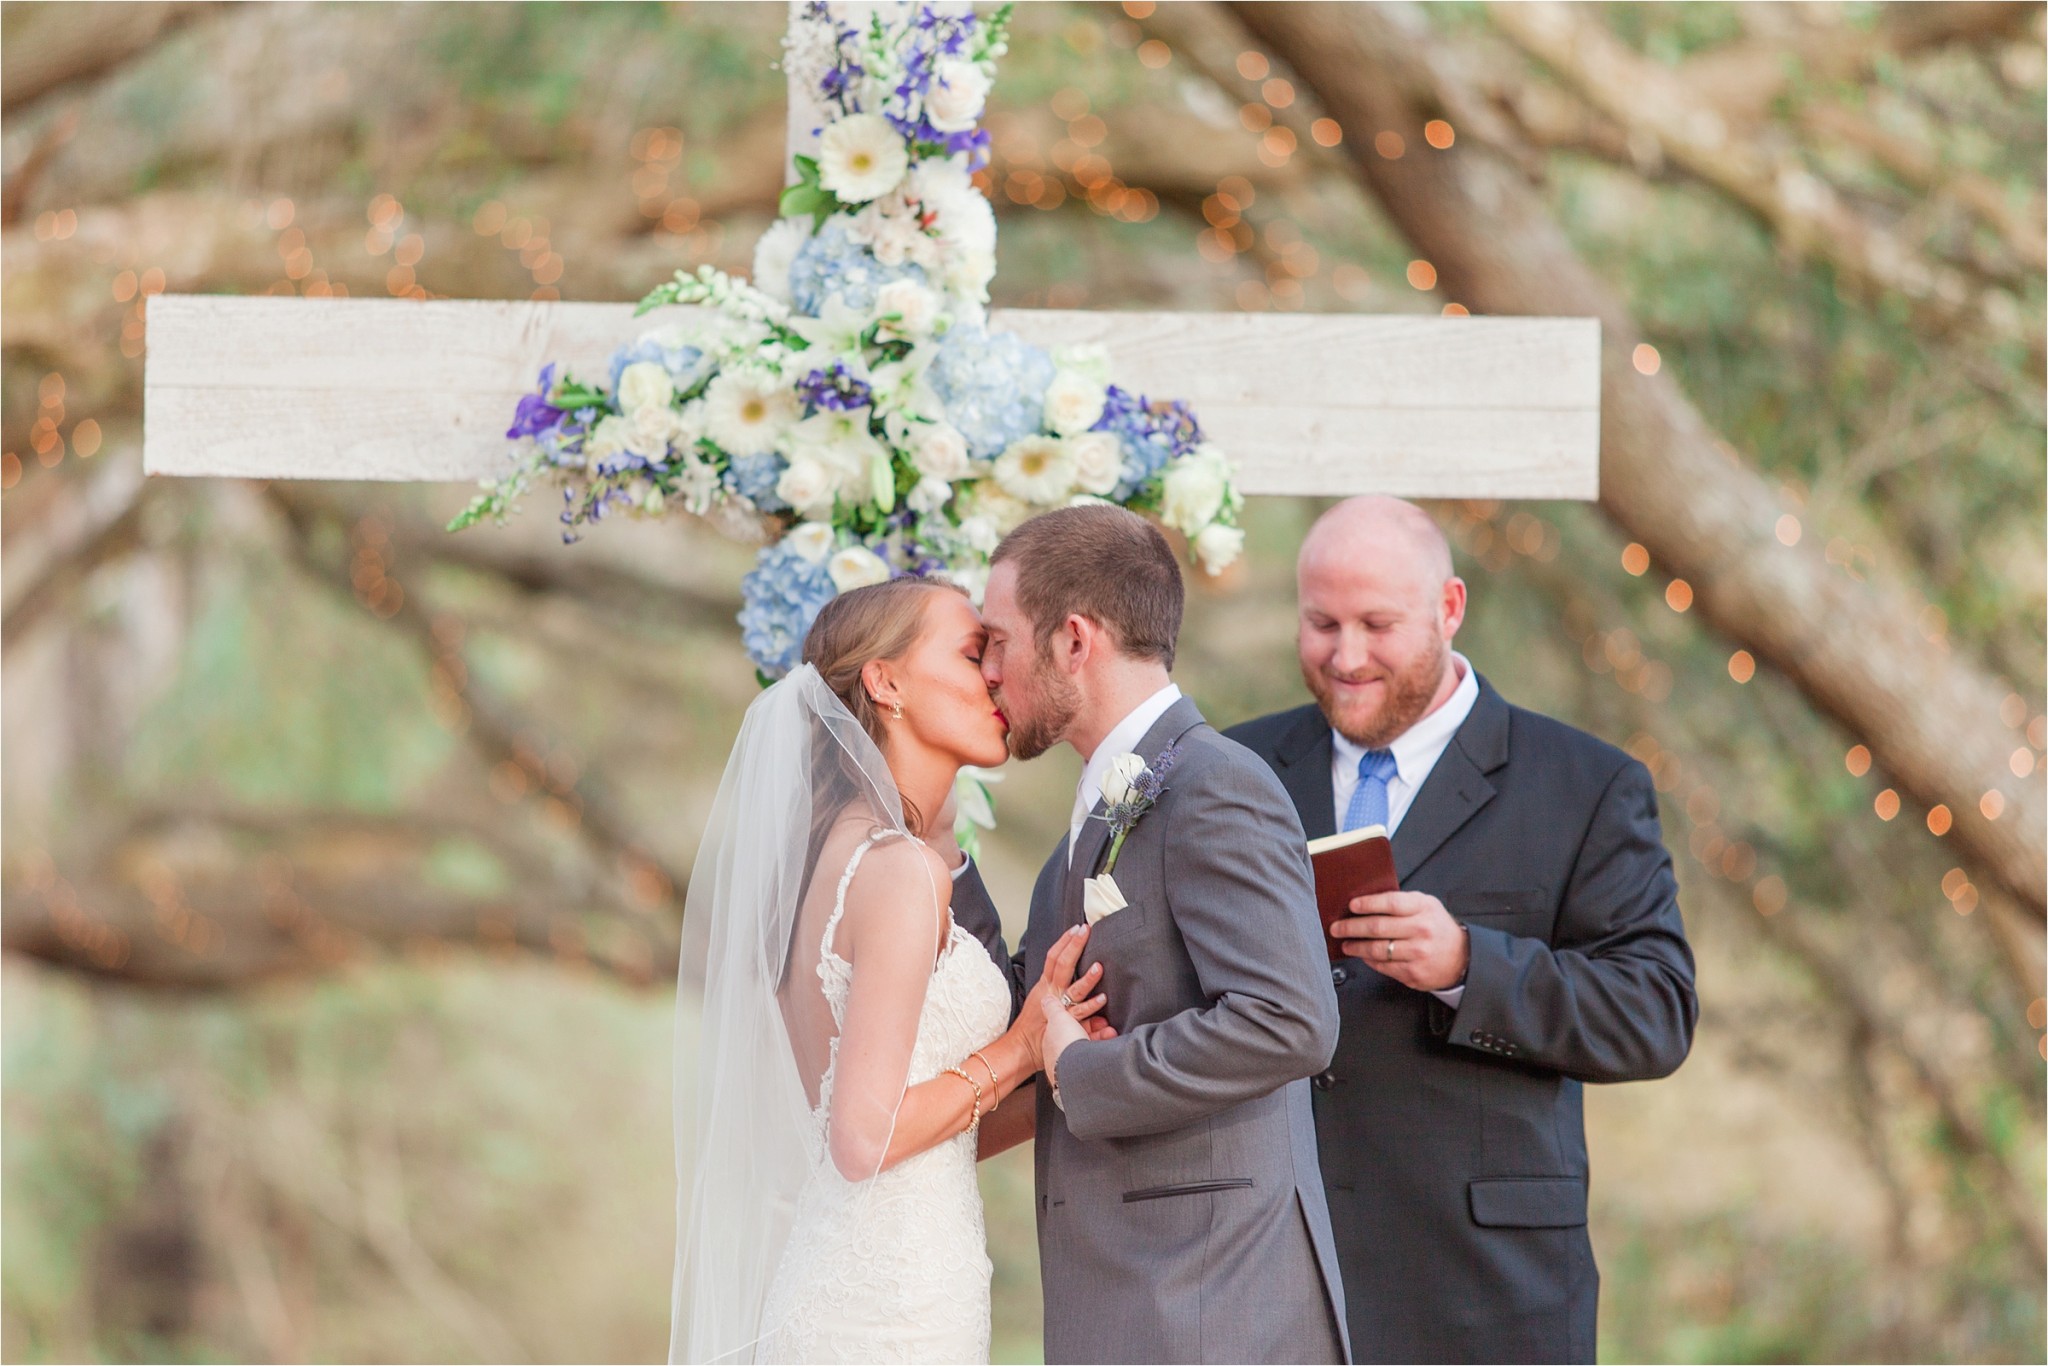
(882, 475)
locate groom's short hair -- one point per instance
(1103, 563)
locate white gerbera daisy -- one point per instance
(746, 413)
(1036, 469)
(861, 157)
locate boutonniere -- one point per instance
(1129, 789)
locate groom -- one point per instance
(1181, 1213)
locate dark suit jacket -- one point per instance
(1453, 1142)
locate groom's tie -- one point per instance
(1369, 798)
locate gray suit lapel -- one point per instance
(1458, 786)
(1176, 721)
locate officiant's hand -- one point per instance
(1407, 936)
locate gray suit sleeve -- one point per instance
(1610, 997)
(1243, 900)
(975, 912)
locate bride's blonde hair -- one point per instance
(880, 621)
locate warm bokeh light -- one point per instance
(1678, 595)
(1389, 144)
(1421, 275)
(1788, 529)
(1154, 53)
(1769, 895)
(1886, 805)
(1326, 132)
(1939, 821)
(1438, 134)
(1992, 805)
(1635, 559)
(1253, 66)
(1857, 760)
(1645, 359)
(1741, 666)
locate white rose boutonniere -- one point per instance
(1129, 790)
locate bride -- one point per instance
(850, 1038)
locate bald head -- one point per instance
(1379, 607)
(1392, 532)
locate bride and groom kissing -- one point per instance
(861, 1035)
(857, 1047)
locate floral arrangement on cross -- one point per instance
(848, 408)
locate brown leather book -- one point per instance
(1356, 863)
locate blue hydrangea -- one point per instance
(783, 595)
(754, 477)
(993, 386)
(686, 365)
(833, 263)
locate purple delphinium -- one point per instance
(836, 388)
(1149, 434)
(535, 414)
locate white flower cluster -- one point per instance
(849, 405)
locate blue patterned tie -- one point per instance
(1369, 798)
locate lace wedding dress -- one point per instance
(894, 1268)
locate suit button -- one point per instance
(1325, 1080)
(1339, 976)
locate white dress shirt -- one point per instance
(1415, 752)
(1123, 738)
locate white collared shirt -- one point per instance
(1416, 751)
(1123, 738)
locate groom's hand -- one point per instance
(1407, 936)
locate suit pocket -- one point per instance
(1515, 910)
(1117, 927)
(1528, 1202)
(1234, 1183)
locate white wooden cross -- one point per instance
(1328, 404)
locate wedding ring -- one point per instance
(1386, 950)
(1066, 1000)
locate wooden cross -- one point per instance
(1328, 404)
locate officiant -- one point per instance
(1536, 945)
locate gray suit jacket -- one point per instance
(1181, 1213)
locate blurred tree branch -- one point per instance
(48, 46)
(91, 521)
(1802, 209)
(1931, 716)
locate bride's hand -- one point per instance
(1067, 1013)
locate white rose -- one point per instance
(1072, 403)
(774, 253)
(907, 308)
(939, 451)
(929, 495)
(606, 439)
(857, 567)
(980, 534)
(1218, 547)
(1194, 490)
(1098, 462)
(861, 158)
(649, 430)
(645, 384)
(959, 89)
(1116, 782)
(812, 540)
(808, 486)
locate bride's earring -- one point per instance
(898, 712)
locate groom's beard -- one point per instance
(1409, 694)
(1057, 701)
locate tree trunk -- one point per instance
(1928, 712)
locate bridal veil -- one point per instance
(756, 1105)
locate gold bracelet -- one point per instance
(994, 1082)
(961, 1072)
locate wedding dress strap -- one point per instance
(845, 881)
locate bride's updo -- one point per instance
(880, 621)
